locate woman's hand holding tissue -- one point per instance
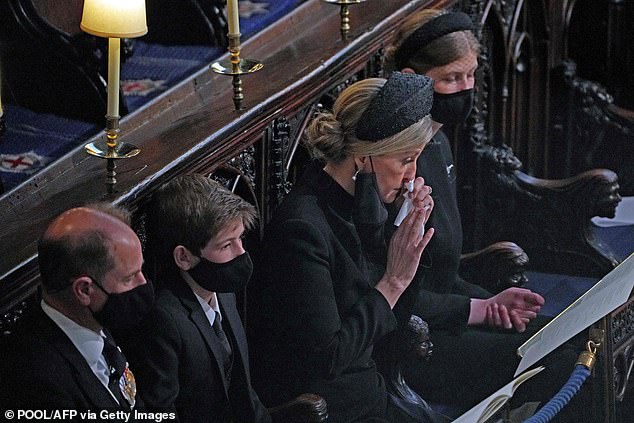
(408, 242)
(416, 196)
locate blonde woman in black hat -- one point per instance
(475, 333)
(321, 302)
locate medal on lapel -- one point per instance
(127, 384)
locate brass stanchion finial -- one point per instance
(589, 357)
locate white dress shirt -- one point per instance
(207, 299)
(88, 342)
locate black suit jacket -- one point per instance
(40, 368)
(177, 358)
(316, 314)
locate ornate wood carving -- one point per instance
(555, 228)
(499, 266)
(306, 408)
(618, 398)
(598, 36)
(282, 158)
(246, 163)
(280, 146)
(549, 219)
(411, 342)
(596, 133)
(19, 296)
(495, 192)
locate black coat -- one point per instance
(176, 356)
(41, 369)
(316, 314)
(468, 363)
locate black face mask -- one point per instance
(368, 212)
(125, 308)
(231, 276)
(452, 108)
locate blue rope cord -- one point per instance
(561, 399)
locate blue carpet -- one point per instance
(619, 238)
(33, 140)
(559, 291)
(256, 15)
(153, 68)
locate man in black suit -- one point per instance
(192, 357)
(62, 356)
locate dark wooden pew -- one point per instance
(526, 111)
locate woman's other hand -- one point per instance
(511, 308)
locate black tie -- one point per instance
(226, 347)
(117, 364)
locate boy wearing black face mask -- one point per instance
(63, 356)
(192, 352)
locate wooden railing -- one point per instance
(193, 126)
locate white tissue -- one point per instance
(406, 207)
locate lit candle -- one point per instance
(233, 17)
(114, 58)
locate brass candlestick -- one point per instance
(345, 14)
(113, 20)
(111, 150)
(235, 67)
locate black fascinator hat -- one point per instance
(405, 99)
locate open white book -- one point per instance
(489, 406)
(604, 297)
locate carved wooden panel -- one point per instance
(594, 132)
(618, 399)
(512, 84)
(592, 63)
(598, 37)
(517, 124)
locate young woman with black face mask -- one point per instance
(475, 333)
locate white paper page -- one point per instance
(606, 295)
(624, 214)
(499, 397)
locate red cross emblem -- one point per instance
(142, 87)
(21, 163)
